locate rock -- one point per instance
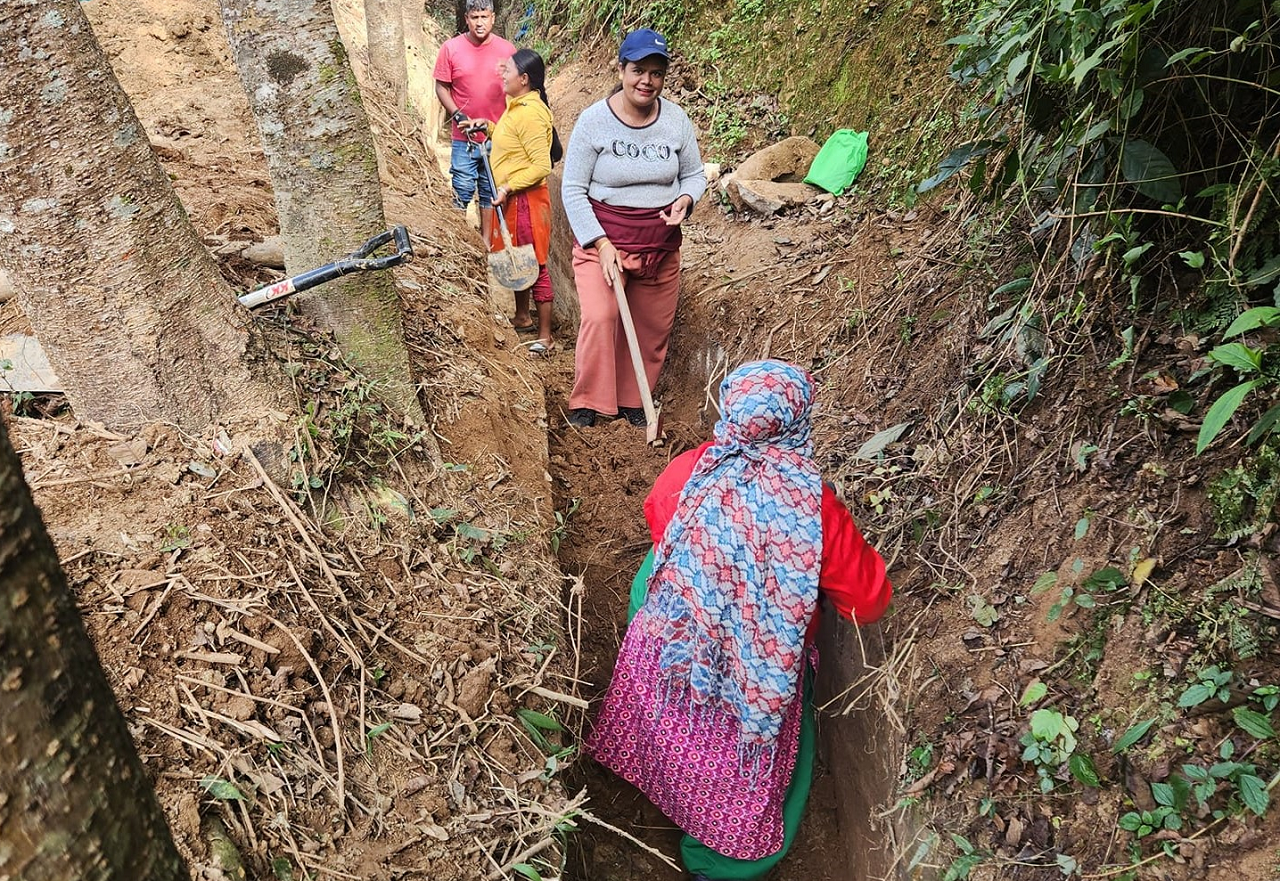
(788, 160)
(474, 689)
(712, 170)
(8, 291)
(766, 197)
(268, 252)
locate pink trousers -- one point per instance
(604, 379)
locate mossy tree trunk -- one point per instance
(130, 306)
(324, 171)
(385, 24)
(75, 802)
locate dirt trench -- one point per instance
(600, 477)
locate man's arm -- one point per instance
(444, 93)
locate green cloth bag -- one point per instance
(839, 162)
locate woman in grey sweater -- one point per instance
(632, 173)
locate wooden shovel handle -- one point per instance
(637, 362)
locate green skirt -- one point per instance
(702, 860)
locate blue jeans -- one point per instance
(467, 174)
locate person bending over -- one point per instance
(710, 710)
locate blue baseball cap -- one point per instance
(641, 44)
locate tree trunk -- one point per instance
(137, 321)
(422, 50)
(75, 802)
(324, 172)
(384, 27)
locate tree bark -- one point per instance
(324, 172)
(384, 26)
(422, 50)
(137, 321)
(75, 802)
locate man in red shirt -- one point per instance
(469, 87)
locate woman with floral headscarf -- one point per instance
(709, 712)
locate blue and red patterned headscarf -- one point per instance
(735, 580)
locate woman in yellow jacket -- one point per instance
(525, 144)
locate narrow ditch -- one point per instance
(602, 475)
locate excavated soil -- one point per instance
(239, 634)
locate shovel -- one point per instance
(653, 433)
(514, 267)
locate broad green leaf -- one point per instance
(1095, 131)
(1194, 259)
(223, 789)
(877, 442)
(1011, 287)
(1085, 601)
(1132, 103)
(983, 612)
(1268, 273)
(1184, 54)
(1046, 724)
(1238, 356)
(922, 851)
(1132, 735)
(962, 866)
(1196, 695)
(1148, 169)
(540, 720)
(471, 533)
(1017, 65)
(1082, 69)
(1220, 414)
(1253, 722)
(1195, 772)
(1135, 252)
(1044, 582)
(1130, 822)
(1250, 319)
(965, 845)
(1082, 528)
(1082, 769)
(953, 162)
(1253, 792)
(528, 871)
(1109, 578)
(1163, 794)
(1034, 691)
(1265, 424)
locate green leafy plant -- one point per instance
(1246, 789)
(1260, 370)
(1211, 682)
(969, 858)
(373, 734)
(562, 524)
(1049, 744)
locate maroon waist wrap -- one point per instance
(640, 232)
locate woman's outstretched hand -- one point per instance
(678, 211)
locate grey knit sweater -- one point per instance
(614, 163)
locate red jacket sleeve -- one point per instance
(852, 575)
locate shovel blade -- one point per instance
(515, 268)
